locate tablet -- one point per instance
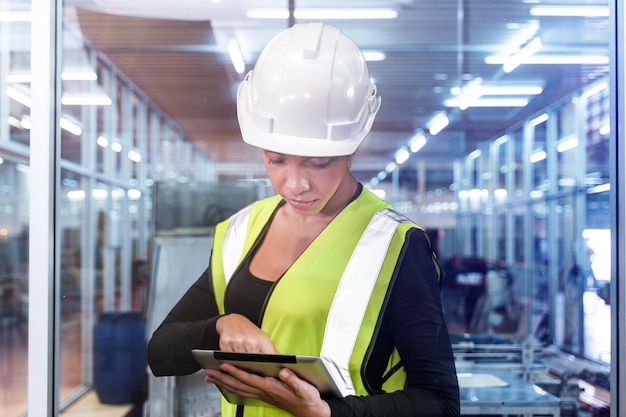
(317, 371)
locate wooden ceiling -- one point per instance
(175, 53)
(176, 64)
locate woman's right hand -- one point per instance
(238, 334)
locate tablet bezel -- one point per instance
(310, 368)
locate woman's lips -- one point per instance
(301, 205)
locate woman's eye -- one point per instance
(321, 164)
(275, 161)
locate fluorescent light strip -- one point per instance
(527, 51)
(570, 11)
(554, 59)
(96, 100)
(538, 156)
(567, 143)
(134, 155)
(19, 96)
(391, 166)
(490, 102)
(374, 56)
(70, 126)
(511, 90)
(235, 56)
(539, 119)
(324, 14)
(595, 89)
(402, 156)
(16, 16)
(25, 77)
(79, 76)
(470, 93)
(418, 142)
(85, 100)
(438, 123)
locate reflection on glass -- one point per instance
(14, 221)
(73, 281)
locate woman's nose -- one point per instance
(297, 180)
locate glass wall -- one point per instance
(111, 153)
(535, 200)
(553, 230)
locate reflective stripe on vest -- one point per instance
(234, 241)
(354, 290)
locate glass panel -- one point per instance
(596, 236)
(538, 159)
(14, 209)
(74, 276)
(15, 72)
(518, 165)
(15, 125)
(566, 147)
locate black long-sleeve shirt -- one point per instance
(412, 322)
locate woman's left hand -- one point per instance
(287, 392)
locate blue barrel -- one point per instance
(120, 358)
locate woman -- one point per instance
(322, 268)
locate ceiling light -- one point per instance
(134, 194)
(555, 59)
(86, 100)
(391, 166)
(324, 14)
(76, 195)
(13, 121)
(235, 56)
(438, 123)
(510, 90)
(374, 56)
(79, 75)
(599, 188)
(538, 156)
(71, 126)
(520, 57)
(18, 95)
(567, 143)
(402, 156)
(25, 122)
(570, 11)
(490, 102)
(15, 16)
(501, 140)
(23, 77)
(417, 142)
(470, 93)
(605, 129)
(134, 155)
(595, 89)
(539, 119)
(102, 141)
(116, 146)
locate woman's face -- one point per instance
(308, 184)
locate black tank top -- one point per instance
(247, 293)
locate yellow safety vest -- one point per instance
(329, 301)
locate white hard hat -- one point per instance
(309, 94)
